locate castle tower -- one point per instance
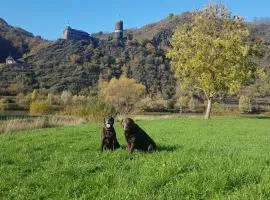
(119, 29)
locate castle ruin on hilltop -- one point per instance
(73, 34)
(119, 29)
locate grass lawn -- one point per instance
(220, 158)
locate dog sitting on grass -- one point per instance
(136, 137)
(108, 135)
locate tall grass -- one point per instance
(14, 125)
(92, 110)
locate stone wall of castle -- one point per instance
(73, 34)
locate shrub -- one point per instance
(245, 105)
(40, 108)
(224, 109)
(155, 103)
(92, 110)
(34, 95)
(2, 104)
(182, 103)
(23, 101)
(15, 88)
(122, 93)
(78, 99)
(143, 104)
(75, 59)
(193, 104)
(53, 99)
(66, 97)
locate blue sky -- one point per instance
(48, 18)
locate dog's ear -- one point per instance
(131, 120)
(105, 120)
(112, 120)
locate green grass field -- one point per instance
(220, 158)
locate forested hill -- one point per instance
(78, 65)
(261, 30)
(17, 41)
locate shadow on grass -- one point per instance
(169, 148)
(256, 116)
(161, 148)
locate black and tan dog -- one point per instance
(108, 135)
(136, 137)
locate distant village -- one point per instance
(73, 34)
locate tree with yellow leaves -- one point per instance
(212, 53)
(122, 93)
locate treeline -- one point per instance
(117, 97)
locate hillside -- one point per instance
(17, 78)
(159, 32)
(78, 65)
(17, 41)
(261, 29)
